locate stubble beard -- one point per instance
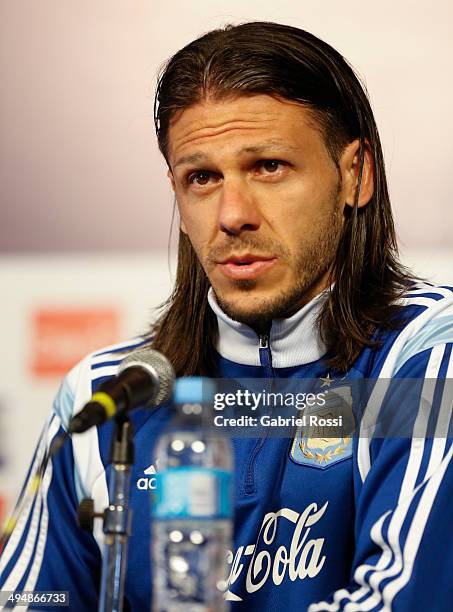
(311, 264)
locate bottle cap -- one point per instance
(193, 390)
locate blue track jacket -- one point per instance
(367, 526)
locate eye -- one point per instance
(200, 177)
(270, 166)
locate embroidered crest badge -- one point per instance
(326, 436)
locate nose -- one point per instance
(238, 210)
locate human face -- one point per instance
(260, 199)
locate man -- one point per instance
(287, 268)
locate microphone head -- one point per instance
(158, 367)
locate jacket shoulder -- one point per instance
(429, 321)
(424, 321)
(78, 384)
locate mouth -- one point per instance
(245, 267)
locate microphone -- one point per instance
(145, 378)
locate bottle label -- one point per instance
(192, 492)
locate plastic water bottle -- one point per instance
(192, 509)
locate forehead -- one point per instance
(242, 120)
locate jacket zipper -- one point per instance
(266, 363)
(266, 356)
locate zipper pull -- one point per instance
(264, 341)
(265, 354)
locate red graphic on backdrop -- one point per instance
(62, 336)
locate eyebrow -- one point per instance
(190, 159)
(257, 149)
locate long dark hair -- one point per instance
(367, 278)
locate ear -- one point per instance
(350, 170)
(182, 226)
(172, 178)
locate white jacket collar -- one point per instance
(293, 341)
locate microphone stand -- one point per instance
(117, 518)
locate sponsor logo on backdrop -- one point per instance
(60, 337)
